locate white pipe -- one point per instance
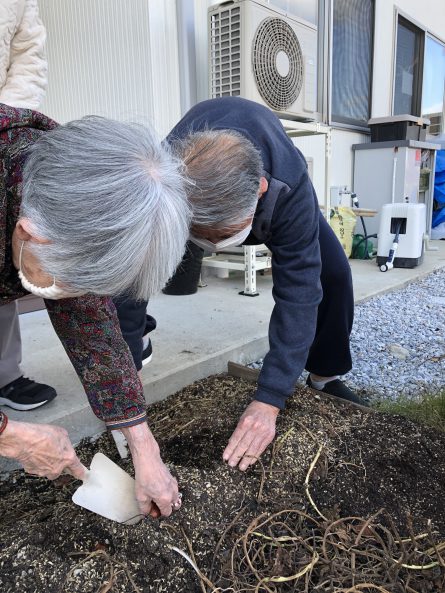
(394, 169)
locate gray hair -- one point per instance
(111, 200)
(225, 170)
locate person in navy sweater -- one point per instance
(250, 185)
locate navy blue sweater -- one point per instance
(286, 220)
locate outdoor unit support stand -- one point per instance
(250, 271)
(248, 261)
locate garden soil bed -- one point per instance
(308, 518)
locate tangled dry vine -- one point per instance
(295, 550)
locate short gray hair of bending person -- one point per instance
(111, 200)
(224, 168)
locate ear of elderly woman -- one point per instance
(89, 209)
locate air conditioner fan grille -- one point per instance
(273, 37)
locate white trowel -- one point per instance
(108, 491)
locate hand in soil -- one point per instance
(255, 431)
(156, 489)
(43, 450)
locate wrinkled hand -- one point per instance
(255, 431)
(156, 489)
(43, 450)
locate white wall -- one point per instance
(341, 158)
(314, 147)
(428, 13)
(112, 58)
(107, 59)
(202, 81)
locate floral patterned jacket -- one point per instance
(87, 326)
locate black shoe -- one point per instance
(147, 353)
(338, 389)
(24, 394)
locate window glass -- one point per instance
(352, 48)
(434, 84)
(408, 75)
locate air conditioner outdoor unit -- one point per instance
(263, 54)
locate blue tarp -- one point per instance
(439, 189)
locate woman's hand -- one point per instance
(43, 450)
(156, 489)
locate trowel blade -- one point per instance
(109, 491)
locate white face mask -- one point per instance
(52, 292)
(234, 241)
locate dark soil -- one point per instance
(259, 531)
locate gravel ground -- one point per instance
(398, 342)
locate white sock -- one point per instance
(145, 340)
(322, 381)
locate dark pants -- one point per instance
(329, 354)
(134, 323)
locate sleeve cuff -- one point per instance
(272, 398)
(127, 422)
(3, 421)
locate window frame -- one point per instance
(399, 14)
(329, 22)
(437, 40)
(416, 102)
(323, 60)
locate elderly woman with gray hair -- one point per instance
(87, 210)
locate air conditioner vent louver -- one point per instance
(276, 47)
(225, 55)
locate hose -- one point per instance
(357, 245)
(365, 232)
(392, 252)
